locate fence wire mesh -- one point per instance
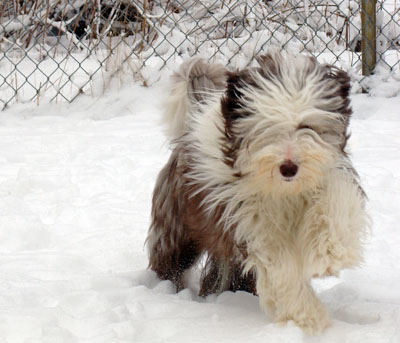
(57, 48)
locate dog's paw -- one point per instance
(330, 271)
(330, 259)
(313, 322)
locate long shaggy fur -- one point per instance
(259, 182)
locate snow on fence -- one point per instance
(57, 49)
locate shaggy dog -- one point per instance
(260, 183)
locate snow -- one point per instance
(75, 196)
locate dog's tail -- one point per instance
(191, 87)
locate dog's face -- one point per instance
(285, 123)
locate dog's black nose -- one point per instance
(288, 169)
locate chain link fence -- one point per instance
(59, 49)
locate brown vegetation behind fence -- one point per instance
(56, 48)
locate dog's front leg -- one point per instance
(333, 228)
(284, 291)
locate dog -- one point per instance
(259, 183)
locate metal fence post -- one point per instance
(368, 36)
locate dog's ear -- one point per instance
(340, 83)
(337, 92)
(232, 105)
(341, 78)
(269, 65)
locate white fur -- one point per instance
(176, 106)
(195, 79)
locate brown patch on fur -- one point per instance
(232, 110)
(181, 231)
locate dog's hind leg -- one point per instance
(220, 276)
(171, 248)
(170, 260)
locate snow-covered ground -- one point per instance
(75, 191)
